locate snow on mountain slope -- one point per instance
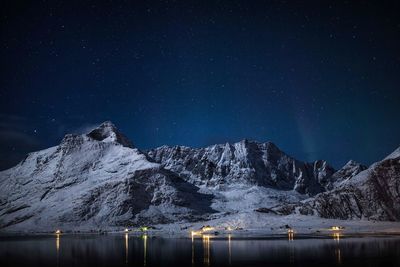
(249, 162)
(91, 181)
(394, 154)
(347, 172)
(237, 198)
(372, 194)
(101, 181)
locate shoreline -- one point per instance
(246, 234)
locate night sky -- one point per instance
(319, 79)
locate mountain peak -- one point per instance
(107, 132)
(394, 154)
(107, 124)
(352, 163)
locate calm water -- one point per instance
(124, 250)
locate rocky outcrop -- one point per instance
(372, 194)
(244, 162)
(108, 132)
(348, 171)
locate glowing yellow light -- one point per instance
(58, 232)
(207, 228)
(194, 233)
(336, 236)
(144, 228)
(290, 234)
(336, 228)
(229, 228)
(126, 230)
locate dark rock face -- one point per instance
(245, 162)
(107, 130)
(373, 194)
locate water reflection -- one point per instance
(290, 236)
(338, 255)
(229, 249)
(336, 237)
(126, 247)
(206, 248)
(291, 250)
(129, 250)
(58, 248)
(57, 243)
(144, 249)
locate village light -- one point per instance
(290, 232)
(207, 228)
(126, 230)
(195, 233)
(58, 232)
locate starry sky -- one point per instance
(320, 79)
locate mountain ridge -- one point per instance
(100, 179)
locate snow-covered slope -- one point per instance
(248, 162)
(372, 194)
(348, 171)
(100, 180)
(94, 180)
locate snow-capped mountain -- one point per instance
(373, 193)
(94, 180)
(250, 162)
(99, 180)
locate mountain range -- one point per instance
(101, 180)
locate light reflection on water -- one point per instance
(230, 248)
(203, 250)
(145, 249)
(126, 247)
(336, 237)
(290, 236)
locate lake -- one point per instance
(128, 250)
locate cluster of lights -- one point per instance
(143, 229)
(204, 229)
(336, 228)
(207, 229)
(336, 236)
(194, 233)
(290, 234)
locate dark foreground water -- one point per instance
(124, 250)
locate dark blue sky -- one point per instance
(319, 79)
